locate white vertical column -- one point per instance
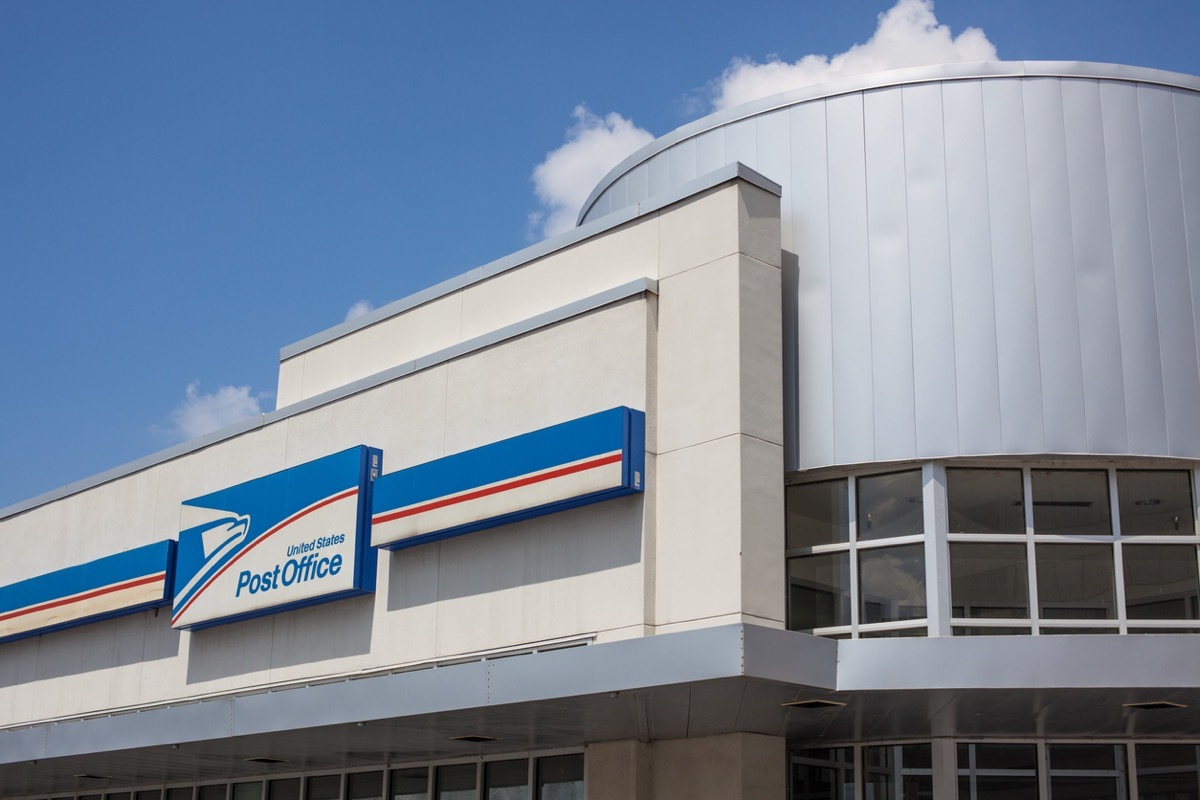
(937, 549)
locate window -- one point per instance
(1031, 549)
(997, 770)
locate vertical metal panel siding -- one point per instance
(975, 358)
(683, 162)
(887, 257)
(710, 151)
(929, 255)
(1169, 246)
(1099, 329)
(1132, 259)
(850, 284)
(771, 144)
(1187, 134)
(811, 435)
(981, 266)
(1021, 425)
(1054, 277)
(658, 178)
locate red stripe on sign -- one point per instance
(66, 601)
(260, 540)
(500, 487)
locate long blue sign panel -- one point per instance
(586, 460)
(107, 587)
(291, 539)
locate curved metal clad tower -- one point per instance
(982, 259)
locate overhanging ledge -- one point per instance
(706, 654)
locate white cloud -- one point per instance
(908, 35)
(359, 309)
(567, 175)
(201, 413)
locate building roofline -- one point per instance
(730, 172)
(877, 80)
(540, 250)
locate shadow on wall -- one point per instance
(307, 635)
(94, 647)
(566, 544)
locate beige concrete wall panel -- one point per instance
(736, 766)
(391, 342)
(582, 365)
(618, 771)
(90, 667)
(759, 224)
(760, 329)
(404, 627)
(338, 636)
(18, 671)
(699, 390)
(540, 578)
(763, 562)
(226, 658)
(699, 230)
(699, 515)
(406, 418)
(611, 259)
(289, 388)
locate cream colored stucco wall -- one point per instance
(703, 545)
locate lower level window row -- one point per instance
(1012, 771)
(551, 777)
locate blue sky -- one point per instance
(187, 187)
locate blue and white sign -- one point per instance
(294, 538)
(585, 460)
(107, 587)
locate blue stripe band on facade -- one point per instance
(110, 571)
(617, 429)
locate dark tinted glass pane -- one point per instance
(117, 796)
(989, 580)
(364, 786)
(1182, 785)
(1155, 502)
(817, 513)
(218, 792)
(902, 633)
(410, 784)
(148, 794)
(818, 591)
(822, 774)
(456, 782)
(324, 787)
(981, 631)
(1075, 581)
(890, 505)
(1161, 581)
(250, 790)
(506, 780)
(1001, 787)
(985, 501)
(889, 772)
(1006, 756)
(1155, 756)
(286, 789)
(1085, 757)
(1070, 501)
(1068, 631)
(892, 583)
(560, 777)
(181, 793)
